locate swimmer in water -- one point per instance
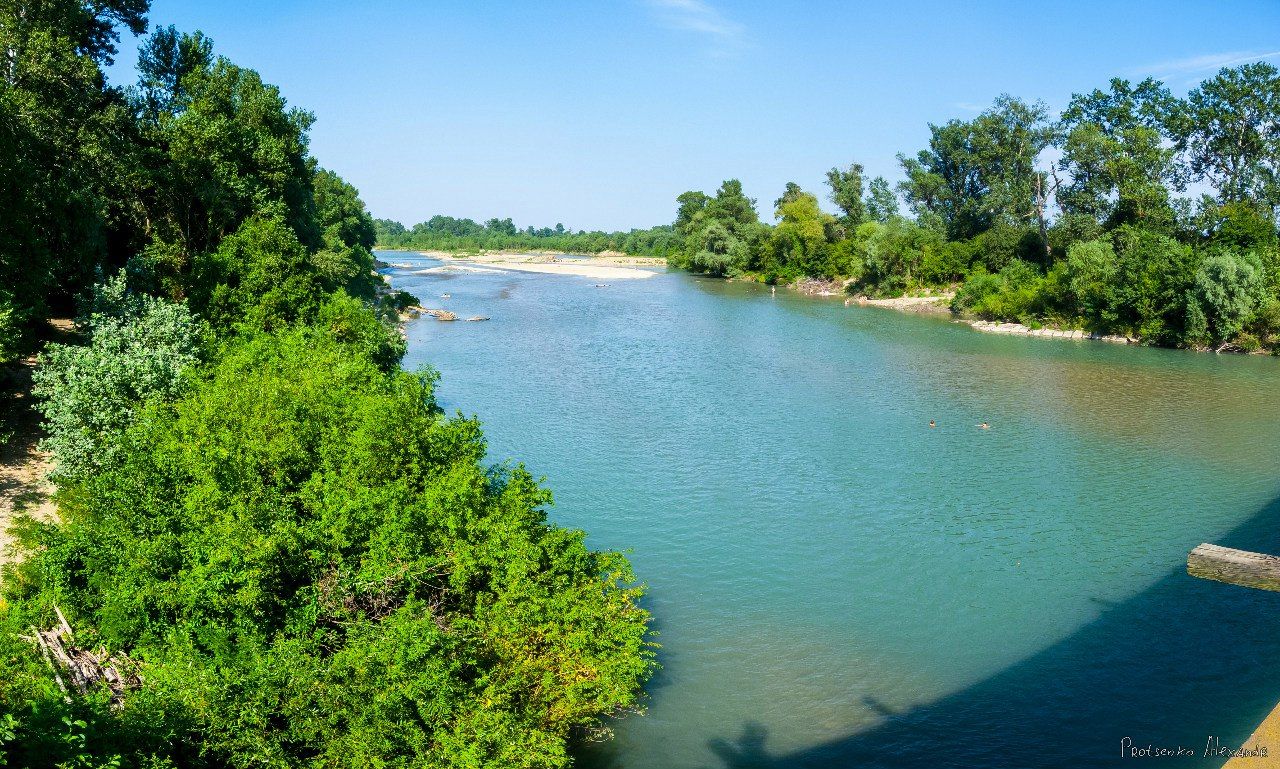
(932, 423)
(985, 426)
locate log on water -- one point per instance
(1235, 567)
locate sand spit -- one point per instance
(597, 267)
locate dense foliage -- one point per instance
(1079, 221)
(445, 233)
(304, 559)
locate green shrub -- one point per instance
(1091, 273)
(139, 348)
(318, 569)
(1228, 290)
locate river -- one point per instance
(835, 583)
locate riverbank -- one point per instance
(613, 267)
(992, 327)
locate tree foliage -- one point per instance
(307, 561)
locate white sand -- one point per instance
(596, 271)
(597, 268)
(454, 268)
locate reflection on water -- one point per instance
(835, 583)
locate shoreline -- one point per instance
(598, 267)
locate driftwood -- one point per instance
(1235, 567)
(84, 669)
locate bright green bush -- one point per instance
(316, 566)
(1091, 273)
(1229, 289)
(138, 350)
(1016, 293)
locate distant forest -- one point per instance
(445, 233)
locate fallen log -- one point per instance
(85, 670)
(1234, 567)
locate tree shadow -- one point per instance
(1181, 662)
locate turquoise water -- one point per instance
(838, 585)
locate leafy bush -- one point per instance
(1154, 272)
(1016, 293)
(316, 567)
(139, 348)
(1228, 290)
(1091, 273)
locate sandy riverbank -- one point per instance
(937, 303)
(596, 267)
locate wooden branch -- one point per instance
(1235, 567)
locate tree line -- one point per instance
(273, 532)
(445, 233)
(1132, 212)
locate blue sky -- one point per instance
(597, 114)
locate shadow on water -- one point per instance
(1182, 662)
(1176, 664)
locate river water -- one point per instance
(835, 583)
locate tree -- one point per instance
(1229, 128)
(881, 203)
(66, 156)
(846, 193)
(348, 234)
(164, 61)
(1091, 275)
(732, 207)
(1153, 274)
(690, 206)
(1120, 167)
(230, 149)
(983, 171)
(799, 240)
(790, 193)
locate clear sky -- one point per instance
(597, 114)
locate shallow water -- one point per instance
(838, 585)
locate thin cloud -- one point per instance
(699, 17)
(1212, 62)
(969, 106)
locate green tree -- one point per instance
(66, 157)
(1119, 165)
(800, 239)
(1091, 276)
(881, 203)
(977, 173)
(229, 149)
(348, 235)
(846, 193)
(1229, 129)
